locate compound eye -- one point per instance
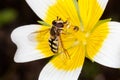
(60, 25)
(54, 23)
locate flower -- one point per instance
(82, 35)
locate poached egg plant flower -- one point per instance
(77, 33)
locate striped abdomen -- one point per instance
(53, 43)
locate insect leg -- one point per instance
(62, 46)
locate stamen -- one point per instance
(78, 13)
(74, 44)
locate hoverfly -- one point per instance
(55, 42)
(55, 35)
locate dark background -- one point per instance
(15, 13)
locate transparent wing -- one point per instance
(40, 35)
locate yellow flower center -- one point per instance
(82, 37)
(76, 44)
(79, 41)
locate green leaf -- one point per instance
(100, 22)
(44, 23)
(7, 15)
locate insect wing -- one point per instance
(41, 35)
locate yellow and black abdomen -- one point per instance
(53, 43)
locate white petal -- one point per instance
(109, 54)
(51, 73)
(26, 49)
(40, 6)
(63, 68)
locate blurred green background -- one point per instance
(15, 13)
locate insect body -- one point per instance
(55, 41)
(55, 31)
